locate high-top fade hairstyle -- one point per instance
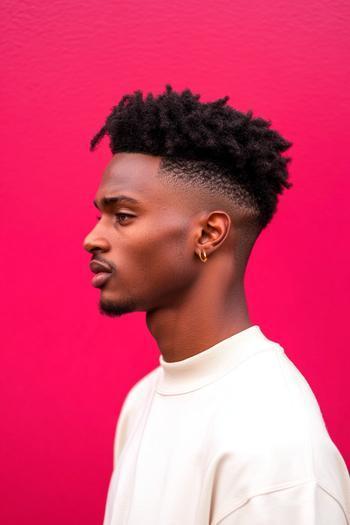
(205, 144)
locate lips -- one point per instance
(103, 272)
(98, 266)
(100, 279)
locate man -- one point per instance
(226, 430)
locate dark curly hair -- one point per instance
(209, 144)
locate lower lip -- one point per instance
(100, 279)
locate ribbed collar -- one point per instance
(194, 372)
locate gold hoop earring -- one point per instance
(203, 258)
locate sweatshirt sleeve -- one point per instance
(303, 504)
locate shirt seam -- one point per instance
(346, 513)
(270, 490)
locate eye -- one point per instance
(120, 216)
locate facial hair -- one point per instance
(116, 309)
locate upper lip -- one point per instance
(98, 266)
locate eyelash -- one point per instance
(116, 215)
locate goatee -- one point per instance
(116, 309)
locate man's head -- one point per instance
(205, 177)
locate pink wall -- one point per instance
(65, 369)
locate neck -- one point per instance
(208, 313)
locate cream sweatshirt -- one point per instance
(230, 436)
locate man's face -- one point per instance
(148, 244)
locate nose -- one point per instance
(93, 241)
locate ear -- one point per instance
(213, 228)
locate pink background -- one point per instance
(65, 369)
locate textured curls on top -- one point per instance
(240, 156)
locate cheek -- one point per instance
(165, 258)
(154, 255)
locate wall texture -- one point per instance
(65, 369)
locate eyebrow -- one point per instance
(106, 201)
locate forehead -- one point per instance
(132, 173)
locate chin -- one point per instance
(116, 308)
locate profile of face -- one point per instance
(148, 241)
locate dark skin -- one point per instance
(153, 248)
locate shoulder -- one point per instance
(271, 388)
(269, 429)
